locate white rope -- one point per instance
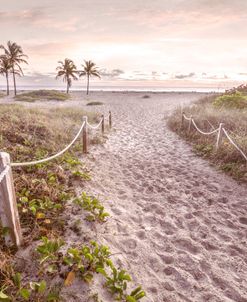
(232, 142)
(202, 132)
(51, 157)
(97, 126)
(187, 118)
(4, 172)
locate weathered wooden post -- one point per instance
(110, 120)
(190, 122)
(84, 135)
(103, 124)
(8, 207)
(219, 137)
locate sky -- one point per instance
(159, 43)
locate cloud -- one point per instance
(184, 76)
(115, 73)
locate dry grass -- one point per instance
(208, 117)
(42, 95)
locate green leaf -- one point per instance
(17, 280)
(140, 295)
(89, 257)
(136, 291)
(101, 271)
(130, 299)
(42, 287)
(25, 293)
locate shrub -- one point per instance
(235, 100)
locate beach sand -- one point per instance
(176, 224)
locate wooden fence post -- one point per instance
(190, 122)
(219, 137)
(84, 135)
(103, 124)
(8, 207)
(110, 120)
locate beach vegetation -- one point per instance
(42, 95)
(235, 100)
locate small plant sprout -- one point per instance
(93, 206)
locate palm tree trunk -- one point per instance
(14, 79)
(7, 80)
(87, 84)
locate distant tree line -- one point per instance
(13, 56)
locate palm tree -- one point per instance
(89, 69)
(68, 71)
(15, 55)
(4, 69)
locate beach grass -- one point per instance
(208, 113)
(42, 95)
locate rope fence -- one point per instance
(219, 131)
(8, 206)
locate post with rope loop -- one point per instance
(219, 137)
(84, 135)
(110, 120)
(190, 122)
(8, 207)
(103, 124)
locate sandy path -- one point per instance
(180, 227)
